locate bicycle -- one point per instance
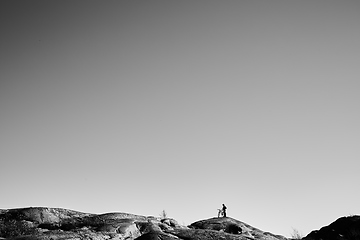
(220, 213)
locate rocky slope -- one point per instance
(345, 228)
(58, 224)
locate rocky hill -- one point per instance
(344, 228)
(57, 224)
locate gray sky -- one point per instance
(140, 106)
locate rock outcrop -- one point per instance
(233, 226)
(344, 228)
(57, 224)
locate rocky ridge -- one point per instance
(40, 223)
(344, 228)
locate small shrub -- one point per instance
(163, 214)
(13, 228)
(296, 234)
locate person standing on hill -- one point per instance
(224, 210)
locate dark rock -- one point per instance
(233, 229)
(344, 228)
(156, 236)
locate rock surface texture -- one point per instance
(345, 228)
(57, 224)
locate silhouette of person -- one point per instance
(224, 210)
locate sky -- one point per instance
(144, 106)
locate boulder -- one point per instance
(234, 227)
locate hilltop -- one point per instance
(344, 228)
(40, 223)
